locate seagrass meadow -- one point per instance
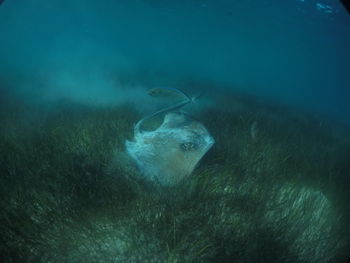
(274, 188)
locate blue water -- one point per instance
(294, 52)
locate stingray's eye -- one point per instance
(188, 146)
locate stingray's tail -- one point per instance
(137, 128)
(188, 100)
(196, 97)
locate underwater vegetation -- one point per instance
(274, 188)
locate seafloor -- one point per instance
(274, 187)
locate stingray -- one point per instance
(170, 153)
